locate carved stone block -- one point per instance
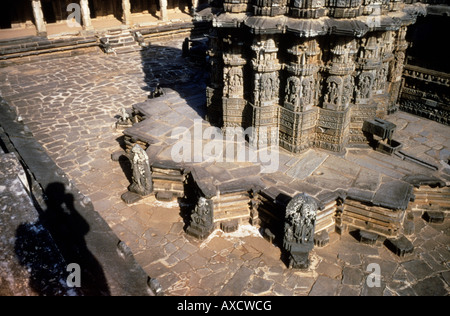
(400, 246)
(202, 219)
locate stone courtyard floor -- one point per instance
(70, 105)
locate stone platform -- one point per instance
(377, 186)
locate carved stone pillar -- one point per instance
(163, 8)
(367, 62)
(265, 94)
(233, 101)
(396, 68)
(41, 28)
(126, 7)
(86, 15)
(298, 113)
(334, 117)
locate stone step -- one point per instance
(232, 203)
(387, 231)
(232, 197)
(119, 42)
(34, 48)
(175, 172)
(126, 50)
(371, 216)
(241, 217)
(444, 202)
(432, 194)
(324, 224)
(229, 210)
(325, 213)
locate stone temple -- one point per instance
(235, 147)
(314, 70)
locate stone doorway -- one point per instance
(49, 11)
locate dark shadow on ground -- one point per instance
(47, 258)
(186, 72)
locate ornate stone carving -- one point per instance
(307, 92)
(380, 79)
(364, 88)
(292, 91)
(202, 219)
(233, 80)
(270, 86)
(142, 176)
(299, 228)
(347, 90)
(333, 90)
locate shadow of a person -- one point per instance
(68, 230)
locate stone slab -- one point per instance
(393, 194)
(366, 237)
(238, 282)
(131, 197)
(400, 246)
(367, 180)
(432, 286)
(352, 276)
(307, 164)
(325, 286)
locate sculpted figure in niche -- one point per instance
(202, 215)
(300, 220)
(267, 86)
(333, 93)
(292, 90)
(235, 82)
(364, 87)
(270, 87)
(348, 89)
(275, 87)
(381, 79)
(307, 92)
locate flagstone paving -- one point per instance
(71, 104)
